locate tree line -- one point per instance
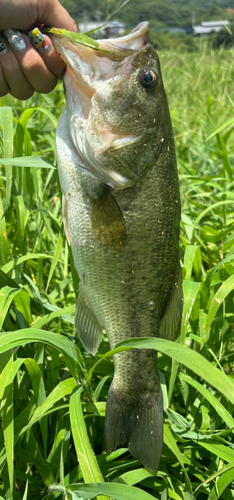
(161, 14)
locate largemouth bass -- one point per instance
(121, 212)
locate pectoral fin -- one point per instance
(87, 325)
(107, 220)
(170, 323)
(65, 219)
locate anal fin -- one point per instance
(88, 328)
(169, 327)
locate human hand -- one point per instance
(23, 68)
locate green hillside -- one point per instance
(161, 14)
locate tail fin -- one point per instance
(141, 427)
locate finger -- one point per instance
(52, 13)
(13, 76)
(4, 89)
(33, 68)
(48, 53)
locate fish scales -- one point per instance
(121, 213)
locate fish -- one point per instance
(121, 213)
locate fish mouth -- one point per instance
(112, 48)
(90, 65)
(87, 69)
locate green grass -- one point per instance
(53, 394)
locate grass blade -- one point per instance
(221, 127)
(24, 336)
(221, 485)
(219, 408)
(189, 358)
(7, 389)
(57, 253)
(6, 120)
(27, 161)
(7, 295)
(65, 314)
(60, 391)
(89, 466)
(113, 490)
(31, 256)
(219, 297)
(85, 454)
(74, 37)
(218, 449)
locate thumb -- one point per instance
(52, 13)
(26, 14)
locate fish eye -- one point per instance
(148, 78)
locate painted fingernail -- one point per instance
(39, 41)
(15, 39)
(3, 47)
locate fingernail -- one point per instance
(39, 40)
(15, 39)
(3, 47)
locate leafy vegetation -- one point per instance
(53, 394)
(224, 38)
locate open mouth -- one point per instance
(87, 66)
(112, 48)
(135, 40)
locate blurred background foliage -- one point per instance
(171, 22)
(161, 14)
